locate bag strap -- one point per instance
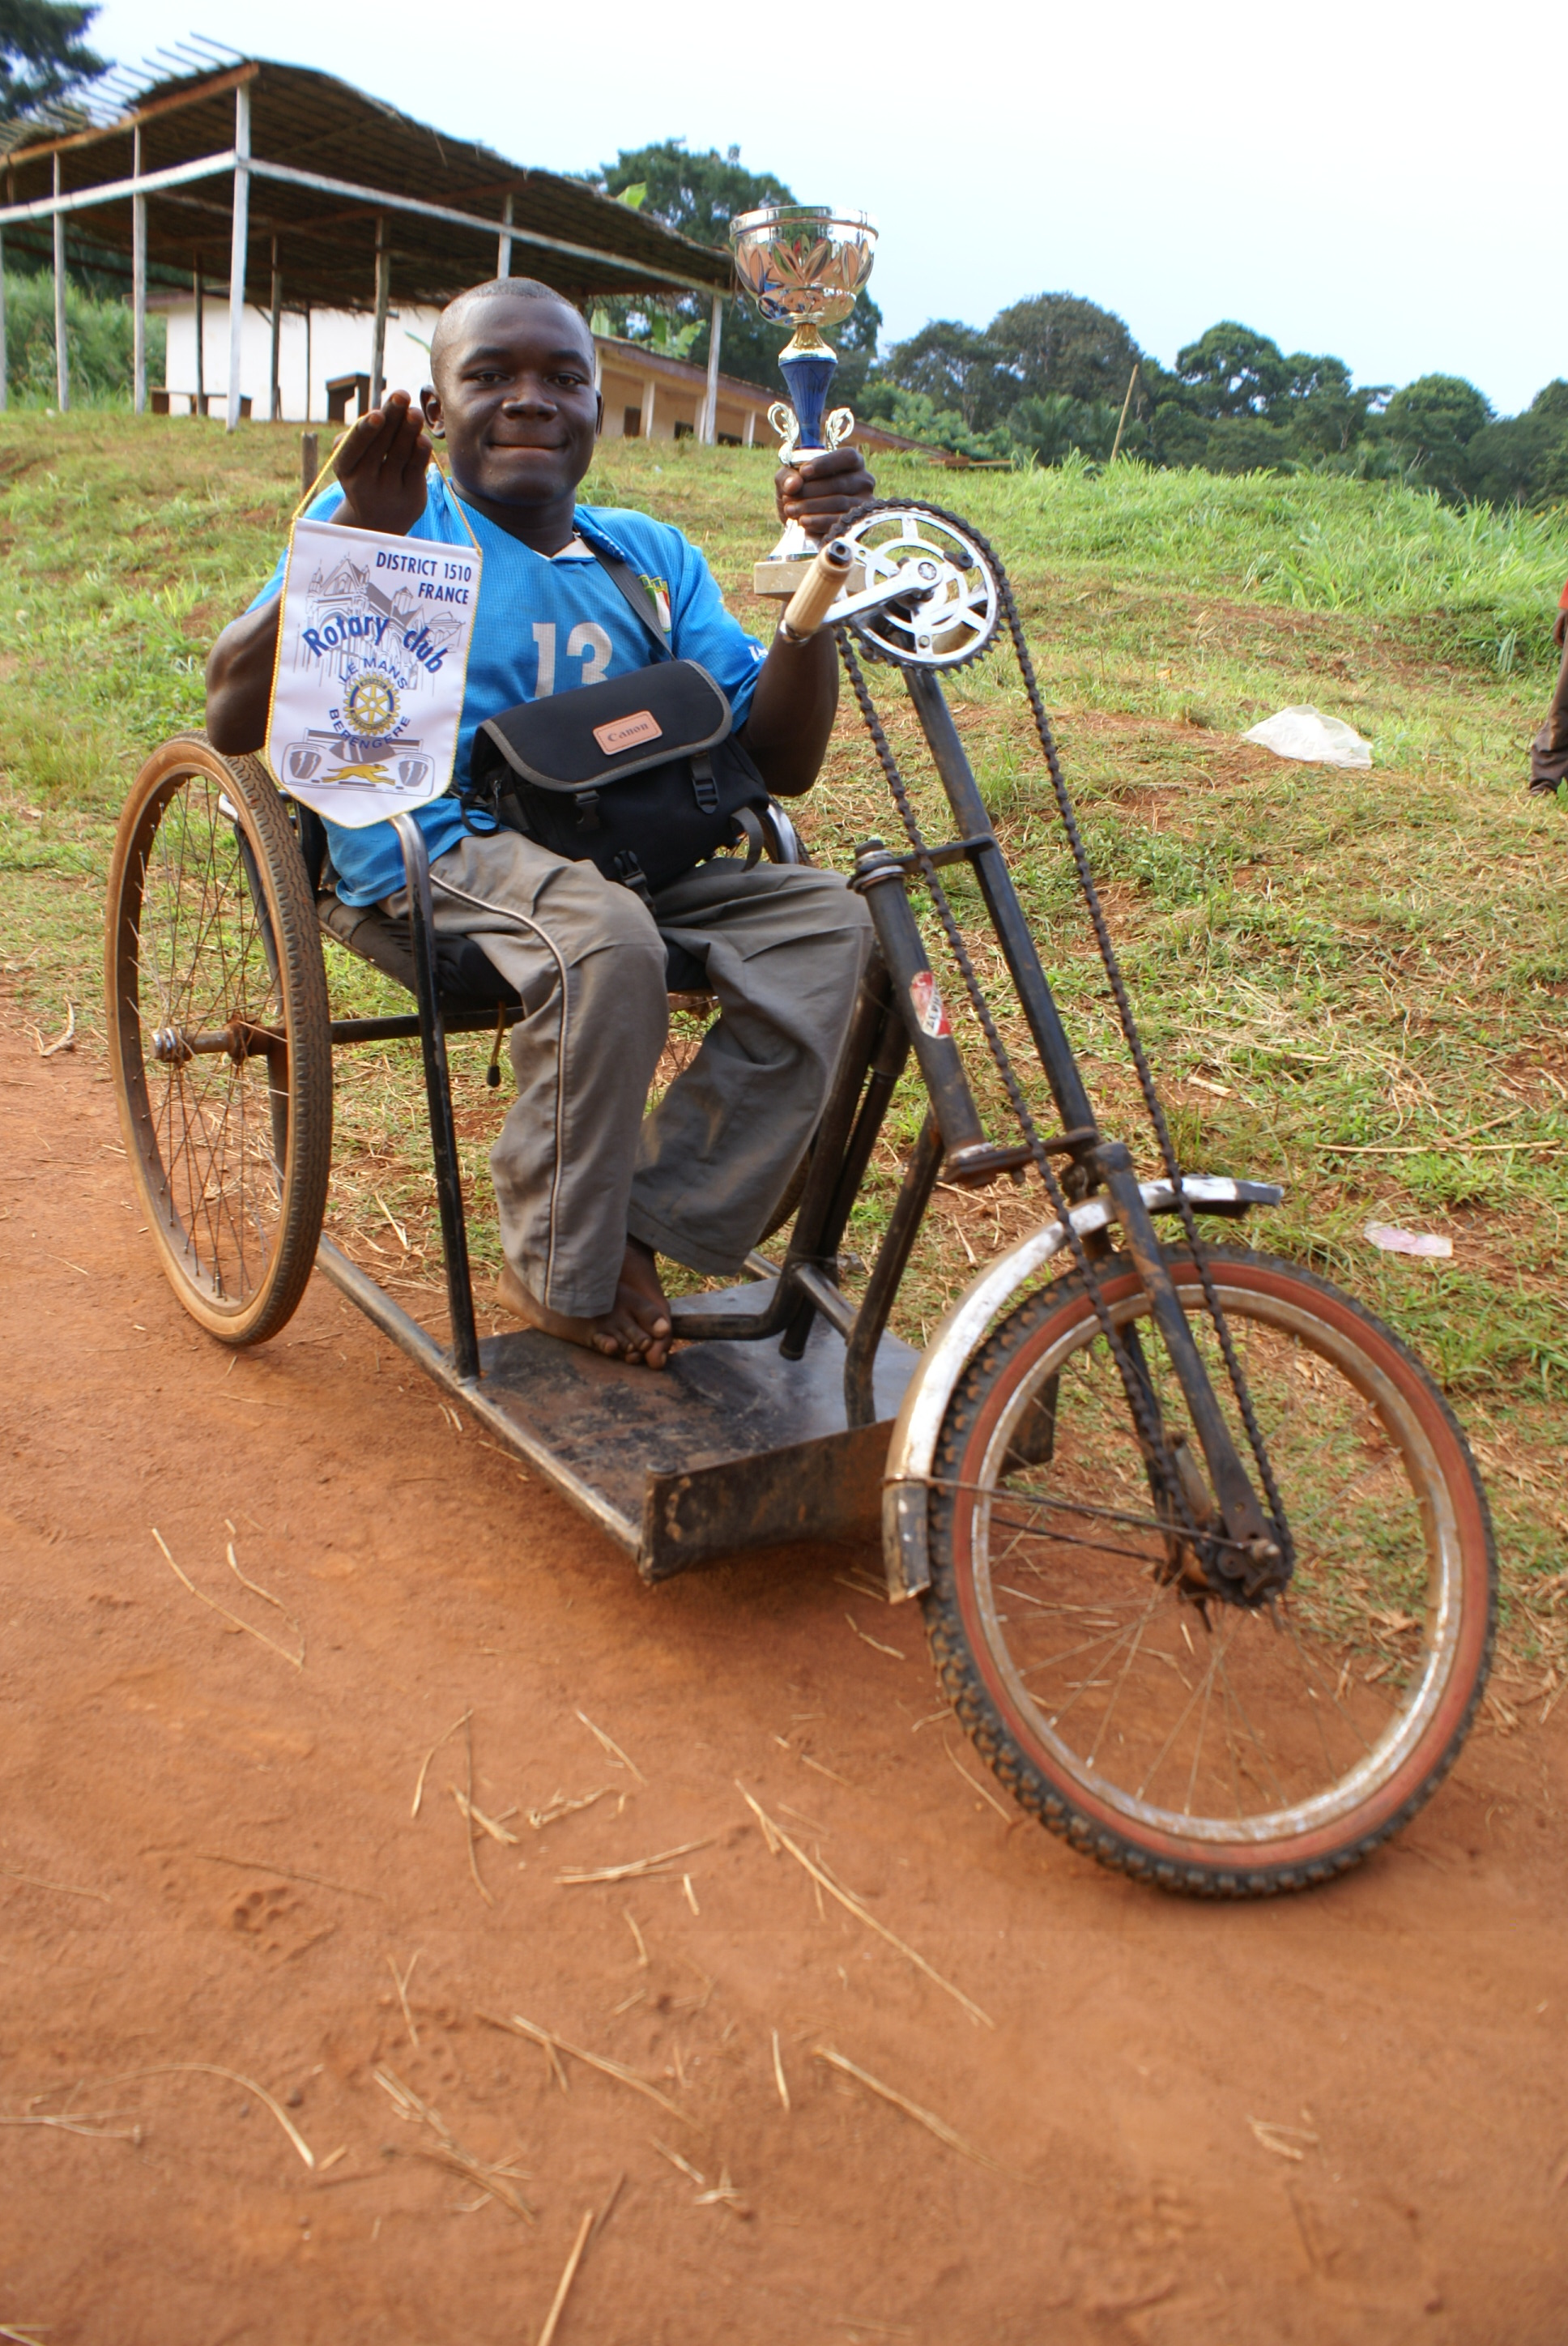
(635, 593)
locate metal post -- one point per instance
(238, 244)
(1001, 899)
(138, 285)
(438, 1099)
(200, 344)
(383, 294)
(62, 360)
(503, 249)
(275, 404)
(3, 358)
(307, 363)
(710, 427)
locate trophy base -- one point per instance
(789, 563)
(782, 578)
(780, 574)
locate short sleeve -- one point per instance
(704, 628)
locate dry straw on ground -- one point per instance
(60, 1889)
(496, 2178)
(777, 1839)
(635, 1869)
(424, 1763)
(234, 2077)
(608, 1744)
(295, 1661)
(554, 2046)
(567, 2277)
(927, 2118)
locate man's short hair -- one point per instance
(524, 288)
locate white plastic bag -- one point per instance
(1390, 1239)
(1315, 739)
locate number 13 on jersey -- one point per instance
(587, 642)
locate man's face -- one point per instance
(516, 400)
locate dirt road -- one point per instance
(1337, 2119)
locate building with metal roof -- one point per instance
(303, 191)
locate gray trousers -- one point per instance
(578, 1166)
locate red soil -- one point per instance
(234, 1863)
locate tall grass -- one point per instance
(98, 342)
(1481, 577)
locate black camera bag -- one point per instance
(639, 775)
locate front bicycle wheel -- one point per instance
(1210, 1747)
(220, 1036)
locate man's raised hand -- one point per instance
(820, 490)
(381, 467)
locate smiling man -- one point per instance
(590, 1193)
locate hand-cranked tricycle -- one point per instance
(1207, 1570)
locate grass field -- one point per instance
(1351, 983)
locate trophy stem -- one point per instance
(808, 366)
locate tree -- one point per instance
(1058, 343)
(1431, 423)
(1247, 443)
(1047, 426)
(1522, 459)
(1325, 412)
(953, 367)
(1233, 371)
(916, 416)
(697, 195)
(42, 54)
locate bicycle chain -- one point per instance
(1119, 994)
(1153, 1446)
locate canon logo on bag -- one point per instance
(628, 732)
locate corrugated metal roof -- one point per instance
(326, 243)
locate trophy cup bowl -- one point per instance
(802, 264)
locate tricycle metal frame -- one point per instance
(817, 1424)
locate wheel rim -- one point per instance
(196, 961)
(1216, 1726)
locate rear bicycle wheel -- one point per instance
(1210, 1747)
(219, 1035)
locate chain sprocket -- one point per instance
(948, 618)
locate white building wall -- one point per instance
(340, 344)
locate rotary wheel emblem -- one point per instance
(371, 704)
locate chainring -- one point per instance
(947, 620)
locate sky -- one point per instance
(1375, 180)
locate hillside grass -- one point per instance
(1352, 982)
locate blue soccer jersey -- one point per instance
(545, 625)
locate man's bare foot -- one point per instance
(636, 1328)
(640, 1294)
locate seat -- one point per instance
(467, 979)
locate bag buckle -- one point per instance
(589, 811)
(704, 788)
(630, 874)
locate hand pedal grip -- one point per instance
(817, 591)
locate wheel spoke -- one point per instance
(1125, 1683)
(202, 964)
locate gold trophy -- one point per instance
(802, 264)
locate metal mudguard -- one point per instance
(906, 1486)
